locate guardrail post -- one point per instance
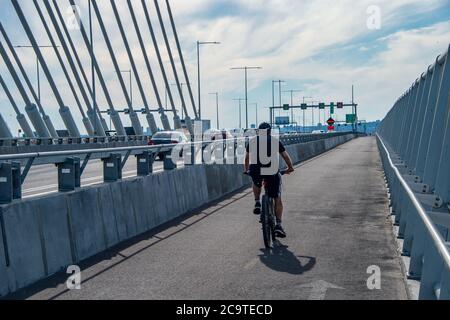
(6, 185)
(168, 161)
(112, 167)
(69, 174)
(145, 162)
(16, 180)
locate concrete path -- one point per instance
(336, 216)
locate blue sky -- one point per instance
(319, 47)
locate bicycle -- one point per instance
(268, 218)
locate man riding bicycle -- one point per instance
(263, 171)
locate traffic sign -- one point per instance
(279, 121)
(350, 118)
(331, 122)
(330, 128)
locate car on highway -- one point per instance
(167, 137)
(214, 135)
(318, 132)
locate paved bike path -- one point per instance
(336, 219)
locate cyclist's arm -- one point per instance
(247, 162)
(288, 161)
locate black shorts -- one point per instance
(274, 184)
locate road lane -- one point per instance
(43, 179)
(336, 217)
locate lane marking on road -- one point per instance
(99, 181)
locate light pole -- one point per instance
(37, 67)
(256, 111)
(240, 112)
(200, 43)
(304, 123)
(217, 107)
(273, 93)
(292, 101)
(246, 68)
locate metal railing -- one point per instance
(72, 163)
(430, 257)
(15, 142)
(414, 141)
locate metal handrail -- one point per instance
(438, 240)
(156, 149)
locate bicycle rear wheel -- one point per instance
(265, 222)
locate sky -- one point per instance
(320, 48)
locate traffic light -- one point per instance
(286, 107)
(304, 106)
(322, 106)
(331, 107)
(340, 105)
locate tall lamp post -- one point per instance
(246, 68)
(304, 123)
(273, 95)
(201, 43)
(217, 107)
(240, 111)
(256, 112)
(292, 101)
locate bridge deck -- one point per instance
(336, 217)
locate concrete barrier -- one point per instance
(45, 235)
(4, 287)
(24, 243)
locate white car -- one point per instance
(318, 132)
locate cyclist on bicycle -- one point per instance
(273, 180)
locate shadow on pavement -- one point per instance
(281, 259)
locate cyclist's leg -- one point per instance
(275, 193)
(257, 187)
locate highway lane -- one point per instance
(336, 217)
(43, 179)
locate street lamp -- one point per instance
(217, 107)
(304, 124)
(200, 43)
(273, 97)
(37, 67)
(256, 111)
(292, 101)
(240, 112)
(246, 68)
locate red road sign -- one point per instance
(331, 122)
(330, 128)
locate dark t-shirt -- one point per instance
(255, 168)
